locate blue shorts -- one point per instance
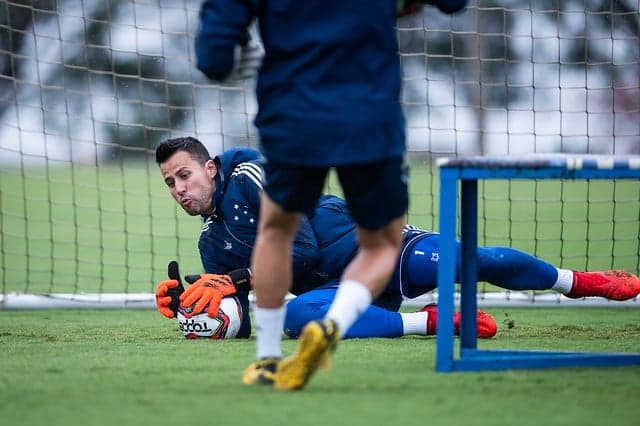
(376, 193)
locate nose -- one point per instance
(180, 187)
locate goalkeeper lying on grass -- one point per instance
(225, 191)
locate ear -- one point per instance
(211, 168)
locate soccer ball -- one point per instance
(201, 326)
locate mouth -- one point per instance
(185, 202)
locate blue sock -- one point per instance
(514, 270)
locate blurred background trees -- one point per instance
(101, 80)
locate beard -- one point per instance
(192, 209)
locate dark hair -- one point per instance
(193, 146)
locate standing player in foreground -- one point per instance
(328, 97)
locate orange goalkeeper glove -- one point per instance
(168, 292)
(208, 289)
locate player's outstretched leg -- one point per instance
(317, 341)
(486, 325)
(614, 285)
(261, 372)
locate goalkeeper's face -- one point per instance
(190, 183)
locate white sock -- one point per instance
(268, 324)
(352, 299)
(414, 323)
(564, 283)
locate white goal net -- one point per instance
(89, 88)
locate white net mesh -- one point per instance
(88, 88)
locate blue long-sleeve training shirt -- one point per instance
(329, 87)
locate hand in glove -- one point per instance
(208, 289)
(248, 59)
(168, 292)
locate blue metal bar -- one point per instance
(512, 360)
(519, 173)
(468, 263)
(446, 270)
(497, 353)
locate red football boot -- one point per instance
(614, 285)
(487, 326)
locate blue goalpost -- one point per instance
(467, 171)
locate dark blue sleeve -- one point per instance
(223, 26)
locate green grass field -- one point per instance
(133, 367)
(114, 229)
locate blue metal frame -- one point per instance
(468, 170)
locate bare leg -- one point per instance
(271, 265)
